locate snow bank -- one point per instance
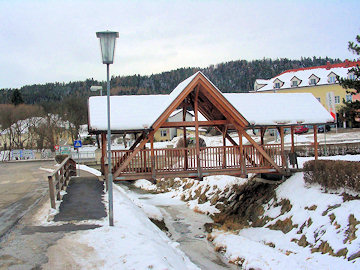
(144, 184)
(316, 230)
(134, 242)
(203, 196)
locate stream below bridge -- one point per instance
(186, 227)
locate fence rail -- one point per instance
(59, 180)
(185, 159)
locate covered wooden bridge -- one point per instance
(144, 115)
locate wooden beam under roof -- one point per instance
(193, 123)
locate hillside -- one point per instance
(233, 76)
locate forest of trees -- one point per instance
(69, 100)
(233, 76)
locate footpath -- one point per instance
(26, 245)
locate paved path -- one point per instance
(26, 246)
(83, 200)
(22, 185)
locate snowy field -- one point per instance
(321, 222)
(324, 227)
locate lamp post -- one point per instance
(107, 44)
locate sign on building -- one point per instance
(330, 102)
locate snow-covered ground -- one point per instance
(134, 242)
(321, 229)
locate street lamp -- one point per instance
(95, 88)
(107, 44)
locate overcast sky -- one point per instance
(48, 41)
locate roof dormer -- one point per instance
(313, 79)
(259, 83)
(332, 77)
(295, 81)
(278, 83)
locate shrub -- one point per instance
(60, 158)
(333, 174)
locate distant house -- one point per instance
(315, 80)
(167, 134)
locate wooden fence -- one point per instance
(329, 149)
(59, 179)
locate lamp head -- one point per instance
(107, 44)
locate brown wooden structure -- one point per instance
(236, 158)
(59, 180)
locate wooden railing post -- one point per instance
(282, 149)
(153, 172)
(51, 192)
(315, 142)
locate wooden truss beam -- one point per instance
(192, 123)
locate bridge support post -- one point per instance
(283, 161)
(197, 132)
(153, 172)
(242, 158)
(185, 141)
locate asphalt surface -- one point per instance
(25, 246)
(22, 185)
(83, 200)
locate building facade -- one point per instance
(315, 80)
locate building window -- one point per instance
(319, 99)
(312, 81)
(163, 133)
(277, 85)
(348, 98)
(337, 99)
(294, 83)
(332, 79)
(352, 76)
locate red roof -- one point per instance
(345, 64)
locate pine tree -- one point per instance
(351, 111)
(16, 97)
(353, 83)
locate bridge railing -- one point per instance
(184, 159)
(59, 180)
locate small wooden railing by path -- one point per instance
(183, 161)
(60, 178)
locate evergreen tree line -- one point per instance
(233, 76)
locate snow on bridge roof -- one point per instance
(139, 112)
(279, 108)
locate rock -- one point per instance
(351, 231)
(285, 225)
(324, 248)
(285, 206)
(354, 256)
(311, 208)
(202, 198)
(330, 208)
(341, 253)
(214, 199)
(302, 241)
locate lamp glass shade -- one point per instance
(107, 44)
